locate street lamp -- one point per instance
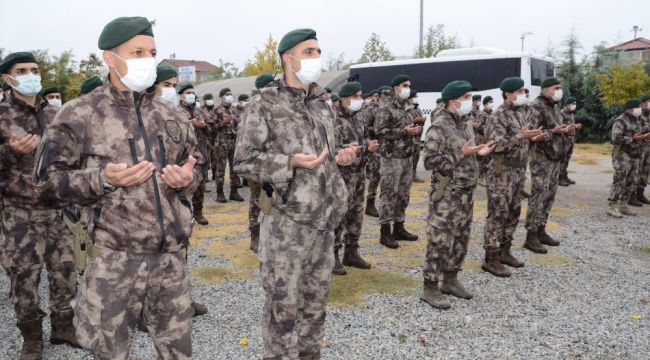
(523, 37)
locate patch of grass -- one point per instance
(552, 258)
(412, 212)
(593, 149)
(584, 160)
(552, 226)
(646, 249)
(242, 258)
(560, 211)
(215, 275)
(214, 230)
(350, 289)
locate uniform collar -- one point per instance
(315, 92)
(39, 104)
(127, 98)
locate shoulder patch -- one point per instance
(173, 130)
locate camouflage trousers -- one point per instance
(350, 227)
(223, 154)
(416, 155)
(644, 168)
(372, 173)
(504, 190)
(119, 287)
(30, 239)
(448, 232)
(396, 177)
(544, 182)
(570, 142)
(297, 261)
(254, 212)
(626, 169)
(197, 199)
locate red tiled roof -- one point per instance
(202, 66)
(635, 44)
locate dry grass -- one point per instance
(215, 275)
(552, 258)
(350, 289)
(591, 154)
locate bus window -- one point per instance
(540, 70)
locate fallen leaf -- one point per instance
(243, 341)
(636, 317)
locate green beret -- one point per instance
(456, 89)
(223, 91)
(123, 29)
(185, 86)
(263, 80)
(439, 100)
(645, 97)
(90, 84)
(511, 84)
(164, 72)
(335, 97)
(373, 92)
(413, 94)
(400, 79)
(548, 82)
(487, 99)
(570, 100)
(476, 97)
(242, 97)
(350, 89)
(207, 96)
(16, 58)
(328, 89)
(50, 90)
(295, 37)
(384, 88)
(632, 103)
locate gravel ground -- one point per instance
(580, 301)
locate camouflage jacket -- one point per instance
(110, 126)
(542, 112)
(369, 111)
(503, 128)
(623, 129)
(443, 152)
(278, 123)
(350, 128)
(645, 124)
(391, 119)
(222, 129)
(203, 135)
(16, 170)
(568, 119)
(480, 123)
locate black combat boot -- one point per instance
(352, 258)
(63, 331)
(563, 181)
(532, 243)
(220, 195)
(32, 332)
(432, 295)
(641, 197)
(400, 233)
(506, 257)
(386, 237)
(309, 355)
(634, 201)
(199, 309)
(255, 238)
(234, 195)
(451, 285)
(338, 268)
(371, 210)
(198, 215)
(545, 238)
(492, 264)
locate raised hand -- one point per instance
(122, 175)
(25, 145)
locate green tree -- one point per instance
(375, 50)
(570, 70)
(593, 114)
(621, 83)
(264, 60)
(225, 70)
(435, 41)
(335, 63)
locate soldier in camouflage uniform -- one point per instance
(134, 158)
(505, 176)
(628, 139)
(287, 142)
(644, 164)
(419, 120)
(202, 130)
(351, 131)
(226, 120)
(545, 162)
(450, 153)
(33, 232)
(479, 121)
(254, 210)
(373, 166)
(569, 139)
(395, 130)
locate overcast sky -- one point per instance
(210, 30)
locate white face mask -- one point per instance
(355, 105)
(572, 107)
(465, 108)
(636, 112)
(55, 102)
(404, 93)
(329, 102)
(557, 95)
(310, 70)
(488, 106)
(228, 99)
(140, 74)
(2, 96)
(414, 100)
(189, 99)
(209, 102)
(28, 84)
(197, 105)
(169, 94)
(520, 100)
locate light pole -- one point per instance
(421, 24)
(523, 37)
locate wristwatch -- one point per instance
(106, 186)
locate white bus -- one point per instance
(484, 68)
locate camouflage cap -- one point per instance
(123, 29)
(50, 90)
(571, 100)
(223, 91)
(487, 99)
(511, 84)
(350, 89)
(263, 80)
(90, 84)
(632, 103)
(164, 72)
(185, 86)
(295, 37)
(550, 81)
(456, 89)
(400, 79)
(16, 58)
(208, 96)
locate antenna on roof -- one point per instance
(636, 29)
